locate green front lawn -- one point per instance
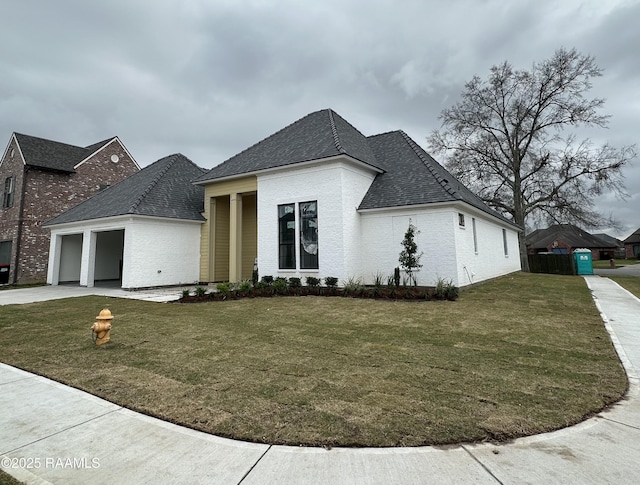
(630, 283)
(605, 263)
(520, 355)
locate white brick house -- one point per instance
(142, 232)
(320, 199)
(317, 198)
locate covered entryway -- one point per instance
(233, 235)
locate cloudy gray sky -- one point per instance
(208, 78)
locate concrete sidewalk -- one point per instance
(50, 433)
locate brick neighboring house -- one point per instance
(564, 238)
(632, 245)
(41, 178)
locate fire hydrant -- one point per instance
(102, 327)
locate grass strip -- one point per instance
(519, 355)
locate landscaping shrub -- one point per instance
(244, 286)
(223, 289)
(353, 287)
(186, 293)
(295, 282)
(280, 285)
(200, 291)
(445, 290)
(312, 281)
(267, 280)
(331, 282)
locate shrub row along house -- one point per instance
(317, 198)
(40, 179)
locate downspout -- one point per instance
(20, 221)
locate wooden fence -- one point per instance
(552, 263)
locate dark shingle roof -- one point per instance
(409, 175)
(53, 155)
(568, 233)
(163, 189)
(610, 240)
(633, 238)
(318, 135)
(412, 177)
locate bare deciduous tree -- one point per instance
(508, 140)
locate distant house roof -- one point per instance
(163, 189)
(609, 239)
(569, 234)
(633, 238)
(406, 174)
(53, 155)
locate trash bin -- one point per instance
(584, 264)
(4, 274)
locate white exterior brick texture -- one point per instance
(361, 245)
(338, 187)
(156, 252)
(448, 250)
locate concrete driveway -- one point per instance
(46, 293)
(628, 270)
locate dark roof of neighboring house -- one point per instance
(633, 238)
(567, 233)
(407, 175)
(318, 135)
(163, 189)
(612, 241)
(53, 155)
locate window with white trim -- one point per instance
(460, 219)
(298, 235)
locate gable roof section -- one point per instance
(610, 240)
(633, 238)
(568, 233)
(163, 189)
(53, 155)
(318, 135)
(407, 175)
(412, 177)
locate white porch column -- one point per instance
(88, 261)
(55, 253)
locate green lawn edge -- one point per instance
(519, 355)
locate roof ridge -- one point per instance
(334, 131)
(419, 152)
(153, 182)
(49, 140)
(264, 139)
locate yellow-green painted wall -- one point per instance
(218, 191)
